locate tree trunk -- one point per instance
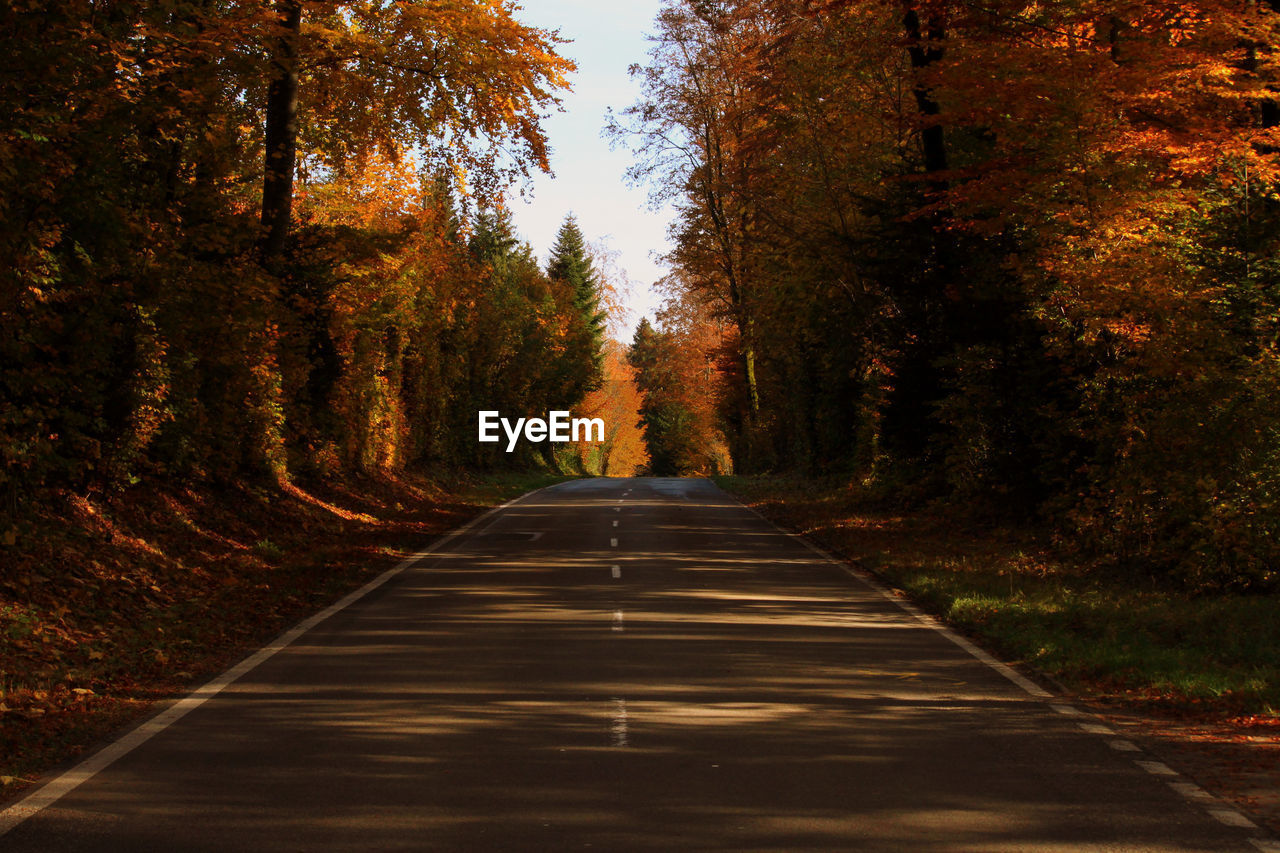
(925, 49)
(281, 134)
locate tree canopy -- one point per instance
(1013, 253)
(239, 237)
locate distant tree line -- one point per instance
(1014, 253)
(676, 381)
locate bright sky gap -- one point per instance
(589, 176)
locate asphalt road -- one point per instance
(624, 665)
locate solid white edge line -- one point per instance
(64, 783)
(1028, 686)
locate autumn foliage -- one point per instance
(1019, 254)
(267, 239)
(617, 402)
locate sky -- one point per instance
(589, 177)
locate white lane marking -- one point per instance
(617, 621)
(63, 784)
(617, 572)
(617, 509)
(1124, 746)
(1265, 845)
(613, 543)
(1191, 791)
(615, 522)
(619, 726)
(1157, 768)
(1231, 817)
(1096, 728)
(1068, 711)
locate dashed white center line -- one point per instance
(619, 727)
(613, 543)
(617, 621)
(617, 572)
(615, 522)
(617, 509)
(1124, 746)
(1191, 791)
(1095, 729)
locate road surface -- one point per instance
(619, 665)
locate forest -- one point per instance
(1014, 255)
(1010, 255)
(240, 240)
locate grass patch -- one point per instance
(1105, 635)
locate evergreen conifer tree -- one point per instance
(493, 236)
(571, 264)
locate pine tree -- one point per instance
(571, 264)
(493, 236)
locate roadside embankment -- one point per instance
(110, 603)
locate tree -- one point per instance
(992, 251)
(571, 265)
(463, 82)
(617, 402)
(679, 440)
(694, 131)
(219, 254)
